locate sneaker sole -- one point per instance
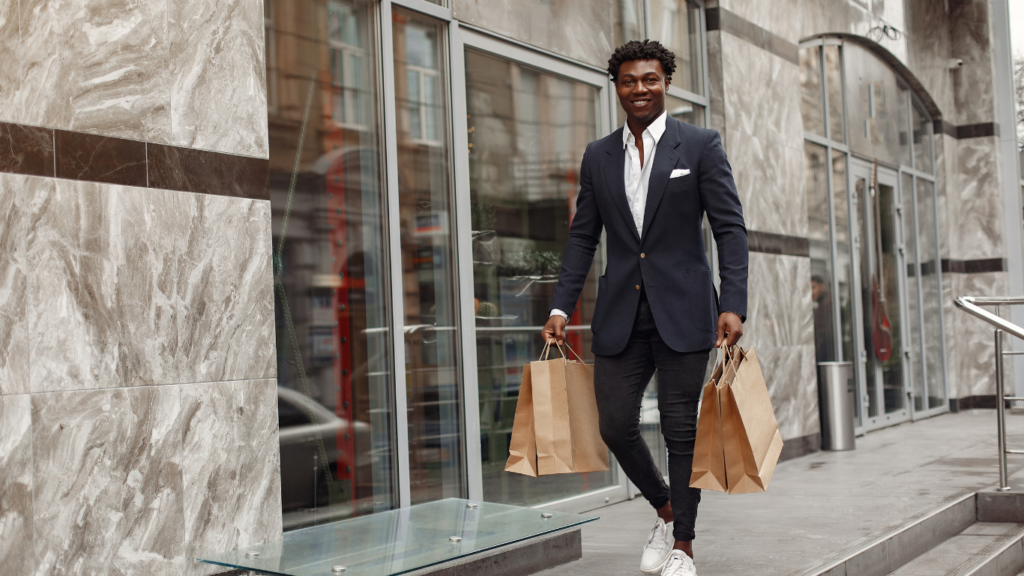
(661, 565)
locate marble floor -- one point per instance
(818, 504)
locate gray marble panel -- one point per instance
(789, 372)
(108, 483)
(853, 17)
(973, 374)
(969, 33)
(58, 329)
(10, 58)
(770, 113)
(16, 552)
(976, 202)
(945, 153)
(715, 88)
(769, 179)
(231, 467)
(779, 307)
(218, 72)
(96, 66)
(782, 17)
(139, 287)
(17, 203)
(228, 293)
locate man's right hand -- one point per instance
(554, 329)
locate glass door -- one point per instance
(880, 275)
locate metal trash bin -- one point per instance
(835, 400)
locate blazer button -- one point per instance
(642, 255)
(637, 286)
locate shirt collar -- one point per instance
(656, 129)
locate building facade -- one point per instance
(268, 264)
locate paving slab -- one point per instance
(820, 505)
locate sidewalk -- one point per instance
(819, 504)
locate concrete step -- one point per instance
(983, 549)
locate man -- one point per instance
(648, 185)
(823, 349)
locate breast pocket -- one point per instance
(701, 294)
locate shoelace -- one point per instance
(676, 562)
(654, 533)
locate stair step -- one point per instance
(982, 549)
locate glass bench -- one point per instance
(398, 541)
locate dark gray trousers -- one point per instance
(619, 383)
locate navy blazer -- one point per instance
(668, 258)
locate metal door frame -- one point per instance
(858, 168)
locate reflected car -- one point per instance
(306, 426)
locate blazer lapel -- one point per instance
(614, 170)
(664, 160)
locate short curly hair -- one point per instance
(641, 50)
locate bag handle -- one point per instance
(573, 353)
(546, 352)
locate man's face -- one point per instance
(817, 289)
(641, 87)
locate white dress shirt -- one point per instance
(637, 176)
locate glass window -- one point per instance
(682, 110)
(331, 284)
(844, 262)
(528, 131)
(349, 99)
(834, 78)
(676, 24)
(816, 166)
(922, 139)
(629, 21)
(903, 122)
(432, 358)
(913, 310)
(811, 102)
(580, 29)
(931, 292)
(875, 105)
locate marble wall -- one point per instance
(138, 409)
(780, 328)
(184, 72)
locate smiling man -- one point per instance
(648, 185)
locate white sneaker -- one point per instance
(679, 564)
(658, 549)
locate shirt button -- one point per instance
(642, 255)
(637, 286)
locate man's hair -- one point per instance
(818, 279)
(641, 50)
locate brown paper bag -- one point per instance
(753, 442)
(738, 439)
(522, 450)
(549, 437)
(709, 449)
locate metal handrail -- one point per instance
(972, 305)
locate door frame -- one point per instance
(463, 37)
(858, 168)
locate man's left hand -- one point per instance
(730, 327)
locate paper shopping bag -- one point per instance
(589, 452)
(752, 441)
(522, 450)
(709, 449)
(556, 428)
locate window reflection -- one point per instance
(676, 24)
(834, 80)
(629, 21)
(686, 111)
(528, 130)
(819, 240)
(811, 103)
(334, 384)
(432, 357)
(922, 139)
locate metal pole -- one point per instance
(1001, 413)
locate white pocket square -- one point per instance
(679, 172)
